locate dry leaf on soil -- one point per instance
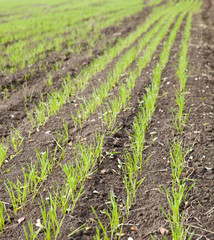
(103, 171)
(133, 228)
(21, 220)
(163, 231)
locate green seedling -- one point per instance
(63, 195)
(50, 218)
(12, 87)
(3, 151)
(179, 118)
(30, 117)
(114, 215)
(60, 145)
(46, 162)
(179, 193)
(76, 173)
(25, 97)
(49, 82)
(62, 139)
(33, 176)
(70, 191)
(3, 212)
(33, 179)
(27, 77)
(57, 66)
(33, 234)
(77, 230)
(133, 166)
(16, 139)
(65, 132)
(18, 193)
(5, 93)
(1, 216)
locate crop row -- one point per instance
(85, 40)
(64, 198)
(57, 98)
(134, 162)
(181, 184)
(25, 53)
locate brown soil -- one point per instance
(145, 215)
(71, 65)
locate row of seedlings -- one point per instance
(101, 93)
(181, 184)
(17, 139)
(133, 161)
(39, 48)
(32, 180)
(57, 98)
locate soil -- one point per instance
(145, 217)
(71, 65)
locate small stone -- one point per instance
(95, 192)
(21, 220)
(48, 132)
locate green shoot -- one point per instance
(49, 82)
(51, 221)
(18, 193)
(116, 224)
(179, 193)
(16, 139)
(3, 152)
(33, 234)
(3, 212)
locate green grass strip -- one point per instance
(115, 106)
(17, 54)
(58, 98)
(102, 93)
(178, 193)
(134, 162)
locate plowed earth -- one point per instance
(145, 215)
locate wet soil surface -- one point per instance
(145, 217)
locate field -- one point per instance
(106, 119)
